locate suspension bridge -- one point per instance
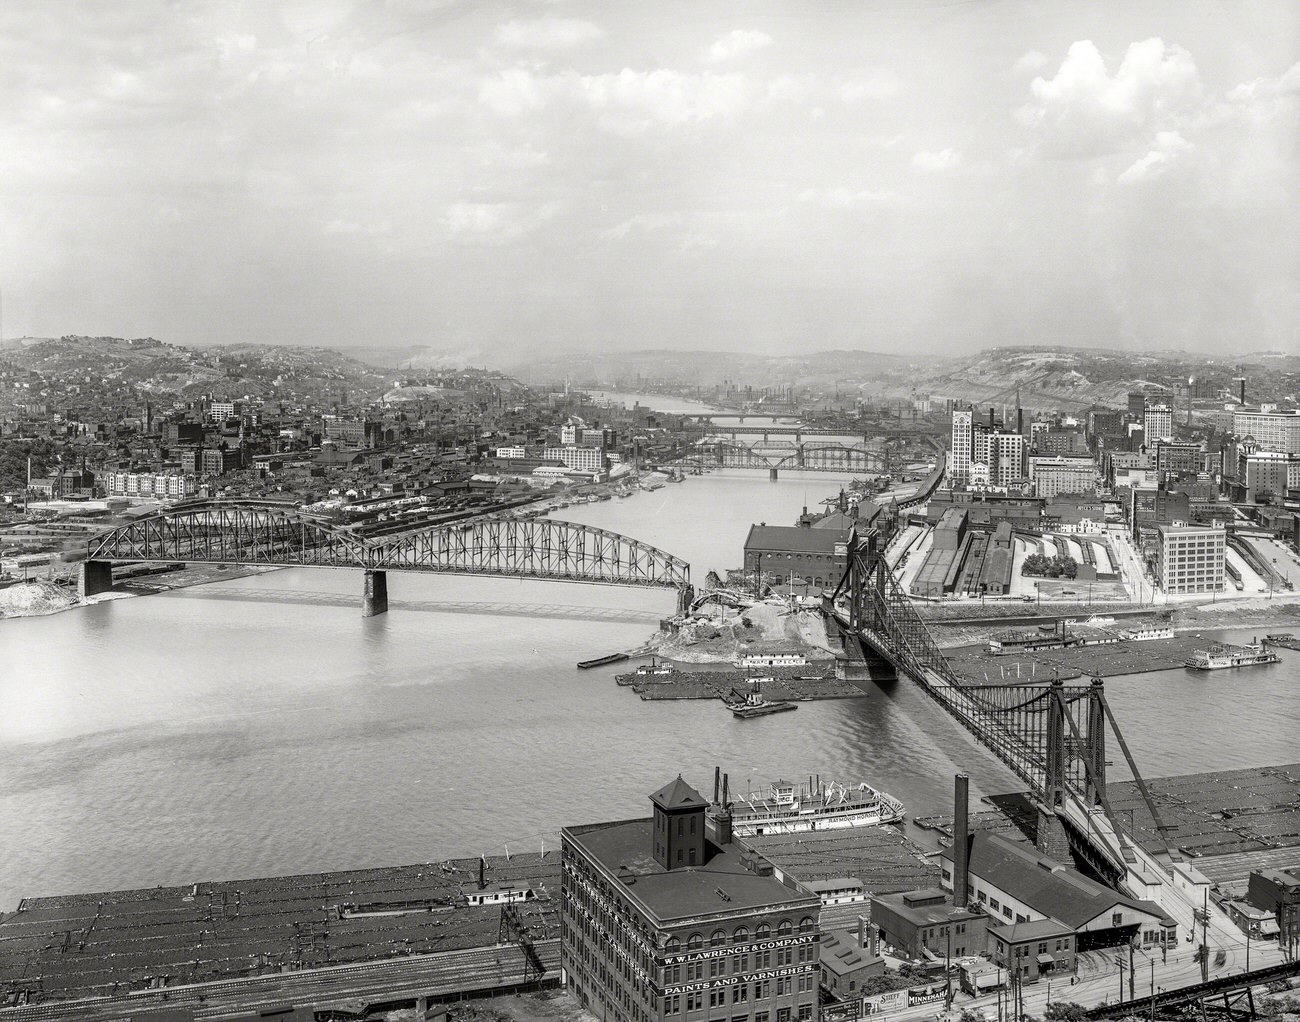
(272, 533)
(1054, 736)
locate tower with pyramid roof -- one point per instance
(678, 825)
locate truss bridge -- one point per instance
(810, 456)
(273, 533)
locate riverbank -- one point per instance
(789, 686)
(42, 597)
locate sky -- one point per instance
(509, 180)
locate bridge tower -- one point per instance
(94, 577)
(1096, 752)
(1052, 839)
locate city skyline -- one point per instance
(537, 178)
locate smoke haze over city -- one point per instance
(516, 179)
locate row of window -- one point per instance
(694, 1001)
(740, 935)
(739, 964)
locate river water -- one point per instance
(262, 726)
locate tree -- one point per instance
(1065, 1011)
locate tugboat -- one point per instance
(753, 703)
(1216, 658)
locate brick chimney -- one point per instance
(961, 841)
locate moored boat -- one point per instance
(787, 808)
(1219, 657)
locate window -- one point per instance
(717, 998)
(695, 1001)
(717, 967)
(718, 938)
(672, 944)
(805, 1012)
(764, 931)
(993, 903)
(741, 935)
(1117, 919)
(785, 929)
(782, 1015)
(742, 993)
(806, 924)
(694, 941)
(760, 1016)
(1006, 911)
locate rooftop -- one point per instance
(841, 954)
(1045, 885)
(793, 539)
(1037, 929)
(677, 794)
(930, 909)
(721, 886)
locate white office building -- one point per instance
(1157, 423)
(1273, 431)
(1190, 559)
(1062, 474)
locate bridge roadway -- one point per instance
(446, 974)
(269, 532)
(1144, 875)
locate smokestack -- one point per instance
(990, 416)
(717, 770)
(1020, 421)
(862, 931)
(1242, 382)
(726, 792)
(960, 840)
(722, 815)
(482, 872)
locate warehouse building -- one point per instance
(662, 920)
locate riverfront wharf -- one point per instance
(1227, 822)
(120, 942)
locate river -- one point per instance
(262, 726)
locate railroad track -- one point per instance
(444, 973)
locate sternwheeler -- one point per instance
(788, 808)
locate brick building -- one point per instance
(667, 919)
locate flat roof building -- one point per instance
(661, 921)
(1189, 558)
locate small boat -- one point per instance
(601, 661)
(654, 667)
(753, 703)
(1217, 658)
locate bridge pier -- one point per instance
(1052, 839)
(685, 597)
(93, 578)
(772, 474)
(374, 598)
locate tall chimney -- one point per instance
(717, 773)
(1243, 390)
(960, 840)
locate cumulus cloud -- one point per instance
(1031, 63)
(633, 100)
(511, 92)
(944, 159)
(1169, 145)
(1083, 110)
(547, 33)
(739, 42)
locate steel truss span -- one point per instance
(804, 457)
(264, 532)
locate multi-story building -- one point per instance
(1158, 423)
(1061, 441)
(165, 485)
(662, 921)
(1272, 431)
(1174, 459)
(817, 555)
(959, 457)
(346, 432)
(1006, 458)
(1189, 558)
(1062, 474)
(1270, 473)
(1277, 891)
(583, 459)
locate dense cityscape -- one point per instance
(549, 511)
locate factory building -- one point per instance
(1189, 558)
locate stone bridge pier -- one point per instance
(374, 599)
(94, 577)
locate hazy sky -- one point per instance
(541, 176)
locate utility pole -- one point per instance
(947, 968)
(1131, 995)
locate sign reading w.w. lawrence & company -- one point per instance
(704, 954)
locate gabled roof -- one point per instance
(1045, 885)
(677, 794)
